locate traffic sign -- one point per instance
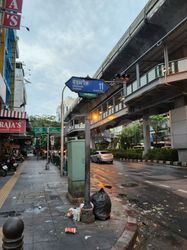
(87, 85)
(40, 130)
(87, 95)
(54, 130)
(45, 130)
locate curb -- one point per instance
(127, 239)
(175, 164)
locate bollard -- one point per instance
(12, 234)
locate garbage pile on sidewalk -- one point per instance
(101, 204)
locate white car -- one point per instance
(102, 156)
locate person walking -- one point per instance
(65, 165)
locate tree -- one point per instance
(44, 121)
(131, 135)
(157, 122)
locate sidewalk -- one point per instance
(38, 196)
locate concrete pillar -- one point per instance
(146, 134)
(178, 120)
(92, 140)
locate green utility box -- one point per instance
(76, 168)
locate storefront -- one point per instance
(12, 123)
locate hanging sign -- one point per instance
(13, 5)
(11, 20)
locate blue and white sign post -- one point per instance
(90, 86)
(87, 88)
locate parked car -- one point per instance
(102, 156)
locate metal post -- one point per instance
(166, 60)
(87, 215)
(62, 133)
(138, 74)
(47, 163)
(87, 163)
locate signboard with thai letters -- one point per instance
(12, 126)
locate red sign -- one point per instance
(14, 5)
(12, 126)
(11, 20)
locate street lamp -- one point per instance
(62, 133)
(26, 27)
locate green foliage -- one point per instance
(45, 121)
(130, 153)
(165, 154)
(156, 122)
(131, 135)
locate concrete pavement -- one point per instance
(38, 196)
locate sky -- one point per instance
(67, 38)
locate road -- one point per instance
(158, 194)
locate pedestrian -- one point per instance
(65, 164)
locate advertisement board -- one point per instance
(12, 126)
(13, 5)
(11, 20)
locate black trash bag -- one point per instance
(102, 205)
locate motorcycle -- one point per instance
(11, 164)
(3, 169)
(19, 158)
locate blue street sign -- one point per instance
(87, 85)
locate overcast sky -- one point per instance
(68, 38)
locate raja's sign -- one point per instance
(13, 5)
(11, 20)
(12, 126)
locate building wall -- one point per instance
(7, 61)
(2, 59)
(19, 88)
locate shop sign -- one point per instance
(12, 126)
(11, 20)
(13, 5)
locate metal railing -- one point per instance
(159, 70)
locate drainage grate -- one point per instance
(11, 213)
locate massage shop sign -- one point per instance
(11, 14)
(12, 126)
